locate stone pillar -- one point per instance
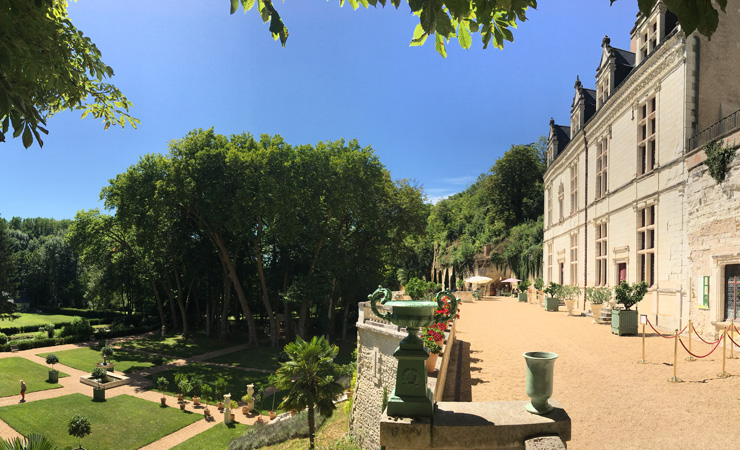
(227, 409)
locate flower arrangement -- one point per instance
(433, 333)
(444, 314)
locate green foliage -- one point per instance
(79, 427)
(598, 296)
(246, 398)
(524, 285)
(206, 392)
(100, 374)
(3, 338)
(49, 66)
(432, 345)
(52, 359)
(33, 441)
(569, 292)
(107, 353)
(539, 283)
(233, 405)
(262, 434)
(693, 15)
(219, 388)
(79, 327)
(162, 384)
(554, 290)
(416, 288)
(718, 158)
(184, 386)
(630, 295)
(309, 378)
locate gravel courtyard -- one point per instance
(613, 402)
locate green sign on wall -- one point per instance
(704, 292)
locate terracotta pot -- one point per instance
(245, 410)
(432, 362)
(349, 393)
(182, 406)
(196, 400)
(293, 412)
(272, 415)
(220, 405)
(207, 412)
(233, 417)
(259, 419)
(164, 401)
(179, 397)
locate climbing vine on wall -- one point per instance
(718, 157)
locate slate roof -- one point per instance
(590, 96)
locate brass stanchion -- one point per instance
(724, 374)
(732, 337)
(690, 358)
(643, 360)
(675, 378)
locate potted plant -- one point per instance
(219, 389)
(196, 391)
(233, 406)
(434, 350)
(49, 328)
(624, 321)
(107, 353)
(552, 301)
(79, 427)
(52, 359)
(180, 379)
(570, 295)
(101, 375)
(272, 410)
(186, 388)
(523, 286)
(249, 400)
(162, 384)
(538, 285)
(205, 396)
(597, 297)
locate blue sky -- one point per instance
(188, 64)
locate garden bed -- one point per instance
(114, 380)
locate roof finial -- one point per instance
(578, 82)
(552, 122)
(606, 41)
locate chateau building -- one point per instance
(627, 192)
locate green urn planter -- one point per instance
(540, 367)
(551, 304)
(53, 376)
(523, 297)
(624, 321)
(410, 397)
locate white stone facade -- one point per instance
(625, 195)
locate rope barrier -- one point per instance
(663, 335)
(702, 339)
(732, 340)
(703, 356)
(736, 330)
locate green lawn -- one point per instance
(85, 358)
(251, 358)
(15, 368)
(122, 422)
(179, 346)
(237, 380)
(26, 319)
(216, 438)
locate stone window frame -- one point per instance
(549, 261)
(647, 135)
(646, 243)
(603, 91)
(717, 283)
(601, 252)
(574, 188)
(602, 164)
(574, 258)
(549, 206)
(561, 197)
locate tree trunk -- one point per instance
(303, 317)
(226, 260)
(311, 427)
(185, 327)
(331, 313)
(160, 307)
(223, 332)
(263, 285)
(173, 311)
(208, 319)
(345, 320)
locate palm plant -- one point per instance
(309, 379)
(33, 441)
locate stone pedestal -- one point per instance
(227, 409)
(411, 397)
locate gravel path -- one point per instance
(613, 402)
(139, 387)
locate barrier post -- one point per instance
(643, 360)
(690, 358)
(732, 338)
(724, 374)
(675, 378)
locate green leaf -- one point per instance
(27, 136)
(420, 36)
(439, 44)
(247, 4)
(463, 35)
(234, 6)
(353, 4)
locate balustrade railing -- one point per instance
(726, 125)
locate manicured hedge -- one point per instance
(57, 326)
(26, 344)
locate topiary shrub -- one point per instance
(416, 288)
(78, 327)
(539, 283)
(100, 374)
(52, 359)
(3, 339)
(630, 295)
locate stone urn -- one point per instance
(540, 368)
(411, 397)
(596, 311)
(570, 304)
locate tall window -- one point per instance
(601, 181)
(602, 93)
(549, 206)
(574, 258)
(574, 188)
(649, 39)
(601, 254)
(549, 262)
(646, 145)
(561, 196)
(646, 244)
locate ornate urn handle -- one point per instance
(453, 301)
(383, 295)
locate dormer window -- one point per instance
(602, 92)
(650, 39)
